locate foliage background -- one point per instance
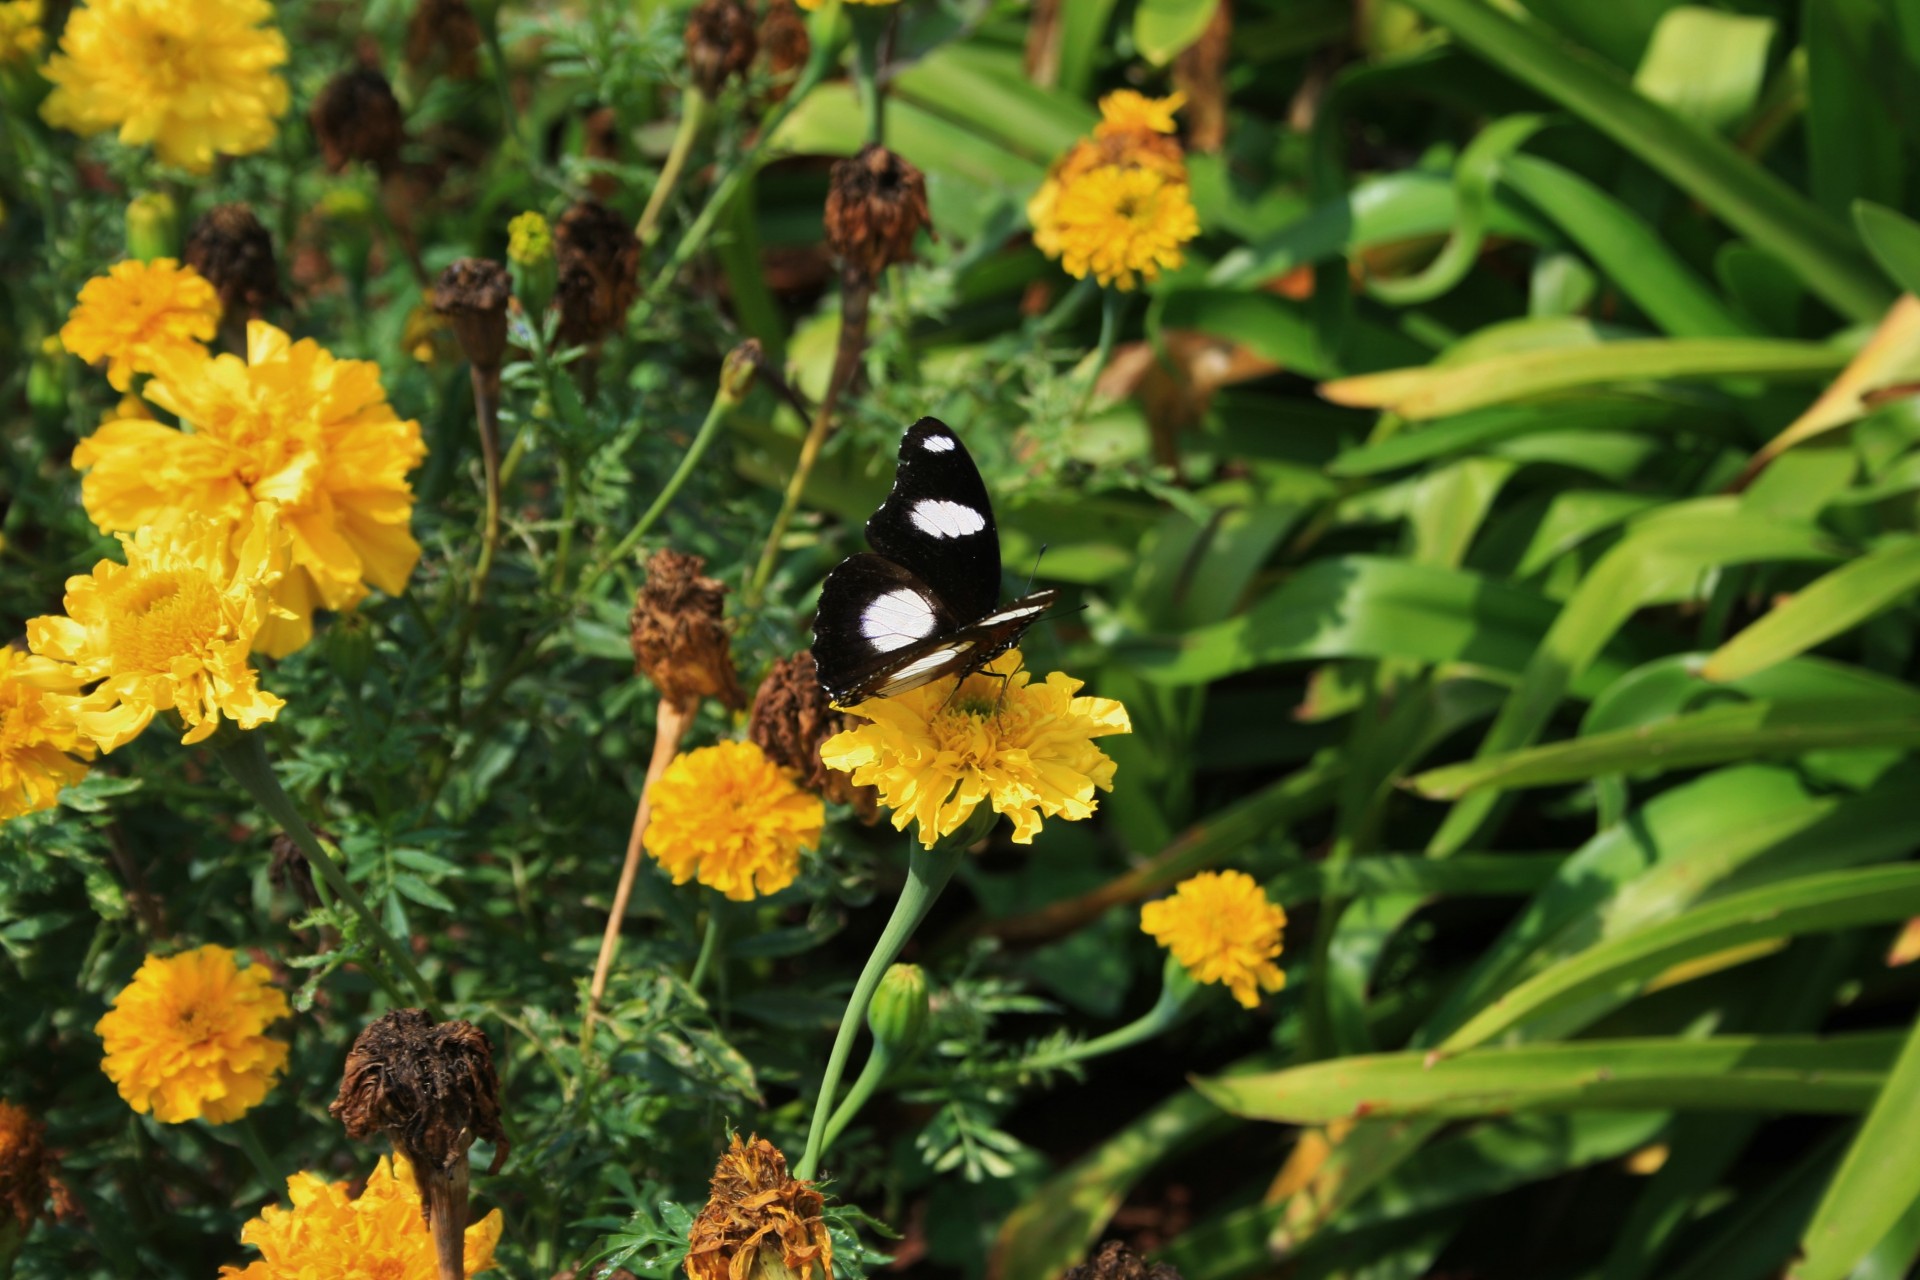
(1552, 726)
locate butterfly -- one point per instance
(925, 602)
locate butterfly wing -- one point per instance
(879, 628)
(938, 522)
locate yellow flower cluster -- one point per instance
(39, 741)
(140, 315)
(1118, 205)
(529, 239)
(377, 1235)
(185, 1039)
(21, 31)
(195, 78)
(1026, 749)
(732, 819)
(1221, 927)
(811, 5)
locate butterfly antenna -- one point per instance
(1036, 568)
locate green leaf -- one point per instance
(1894, 241)
(1827, 607)
(1852, 149)
(1836, 1075)
(1706, 66)
(1162, 29)
(1786, 909)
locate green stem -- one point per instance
(246, 759)
(693, 119)
(928, 871)
(249, 1140)
(869, 30)
(1113, 305)
(1067, 308)
(709, 947)
(1176, 992)
(879, 1062)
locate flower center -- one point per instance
(162, 617)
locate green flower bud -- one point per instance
(738, 371)
(898, 1015)
(153, 227)
(349, 647)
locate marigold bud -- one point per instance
(791, 718)
(759, 1223)
(876, 205)
(679, 637)
(231, 248)
(897, 1015)
(356, 117)
(720, 43)
(153, 227)
(739, 369)
(472, 294)
(444, 31)
(599, 259)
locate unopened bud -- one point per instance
(737, 373)
(153, 227)
(897, 1015)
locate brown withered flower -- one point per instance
(759, 1223)
(229, 246)
(472, 294)
(26, 1170)
(444, 31)
(431, 1088)
(1115, 1261)
(791, 718)
(784, 41)
(876, 205)
(599, 261)
(720, 43)
(679, 637)
(356, 117)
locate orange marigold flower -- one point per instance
(732, 819)
(185, 1038)
(1117, 205)
(38, 739)
(139, 315)
(1222, 927)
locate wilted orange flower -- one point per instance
(732, 819)
(139, 315)
(291, 426)
(377, 1235)
(1221, 927)
(38, 740)
(185, 1039)
(1027, 749)
(759, 1222)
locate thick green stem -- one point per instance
(709, 947)
(246, 759)
(879, 1062)
(693, 119)
(869, 33)
(928, 871)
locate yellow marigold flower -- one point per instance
(168, 630)
(38, 739)
(1125, 111)
(185, 1039)
(1027, 749)
(378, 1235)
(1123, 225)
(1222, 928)
(291, 426)
(730, 818)
(21, 31)
(127, 406)
(139, 315)
(195, 78)
(811, 5)
(529, 239)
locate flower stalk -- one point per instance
(694, 111)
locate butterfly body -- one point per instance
(925, 602)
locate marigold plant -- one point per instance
(730, 818)
(140, 315)
(41, 748)
(1221, 927)
(186, 1039)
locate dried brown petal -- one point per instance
(1115, 1261)
(759, 1222)
(444, 29)
(876, 205)
(26, 1170)
(430, 1087)
(599, 259)
(784, 39)
(791, 718)
(720, 43)
(230, 247)
(472, 293)
(679, 637)
(356, 117)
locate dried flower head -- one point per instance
(186, 1038)
(936, 753)
(230, 247)
(679, 637)
(378, 1235)
(472, 293)
(356, 117)
(792, 718)
(1221, 927)
(599, 271)
(41, 749)
(876, 205)
(430, 1087)
(1115, 1261)
(783, 39)
(720, 43)
(730, 818)
(444, 31)
(140, 315)
(26, 1170)
(196, 78)
(759, 1223)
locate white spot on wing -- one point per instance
(920, 670)
(896, 619)
(937, 444)
(1017, 613)
(946, 519)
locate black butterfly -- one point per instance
(928, 604)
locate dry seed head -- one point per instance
(759, 1222)
(791, 718)
(720, 43)
(472, 293)
(679, 636)
(356, 117)
(599, 260)
(1115, 1261)
(784, 40)
(444, 29)
(229, 246)
(876, 205)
